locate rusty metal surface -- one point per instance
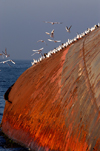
(56, 103)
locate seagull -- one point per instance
(52, 22)
(38, 51)
(6, 61)
(34, 53)
(54, 40)
(51, 34)
(5, 53)
(42, 41)
(45, 55)
(12, 61)
(68, 29)
(34, 62)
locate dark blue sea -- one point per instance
(8, 76)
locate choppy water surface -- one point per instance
(8, 76)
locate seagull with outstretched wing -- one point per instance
(5, 53)
(54, 40)
(52, 22)
(34, 62)
(51, 34)
(68, 28)
(42, 41)
(38, 51)
(6, 61)
(34, 53)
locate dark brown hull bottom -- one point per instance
(56, 103)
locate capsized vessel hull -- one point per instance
(56, 103)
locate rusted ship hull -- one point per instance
(56, 103)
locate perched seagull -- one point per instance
(6, 61)
(42, 41)
(54, 40)
(34, 62)
(68, 29)
(38, 51)
(5, 53)
(51, 34)
(52, 22)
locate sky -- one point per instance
(21, 24)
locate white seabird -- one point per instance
(38, 51)
(99, 24)
(5, 53)
(6, 61)
(68, 29)
(92, 28)
(34, 53)
(34, 62)
(52, 22)
(42, 41)
(51, 34)
(54, 40)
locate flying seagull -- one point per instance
(5, 53)
(52, 22)
(51, 34)
(68, 29)
(42, 41)
(38, 51)
(6, 61)
(34, 53)
(54, 40)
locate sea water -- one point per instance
(8, 76)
